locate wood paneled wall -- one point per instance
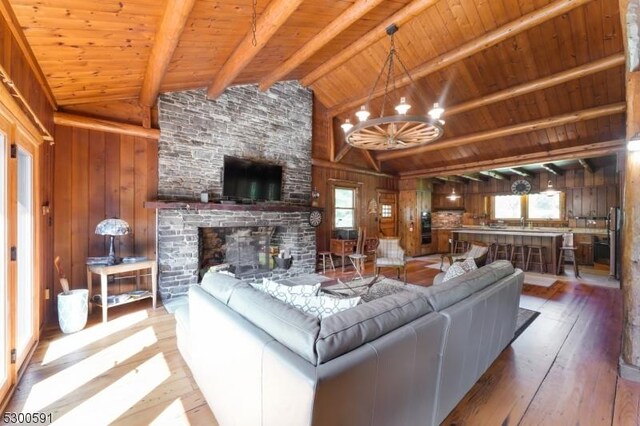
(587, 194)
(14, 62)
(322, 179)
(100, 175)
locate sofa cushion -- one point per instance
(322, 306)
(347, 330)
(182, 317)
(446, 294)
(288, 325)
(285, 292)
(453, 271)
(220, 285)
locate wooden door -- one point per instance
(387, 213)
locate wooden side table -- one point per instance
(105, 270)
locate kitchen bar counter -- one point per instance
(551, 241)
(592, 231)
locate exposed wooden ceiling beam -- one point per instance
(14, 26)
(528, 21)
(494, 174)
(399, 18)
(276, 14)
(342, 152)
(174, 18)
(366, 154)
(328, 33)
(329, 165)
(474, 177)
(451, 179)
(80, 121)
(544, 123)
(552, 168)
(520, 172)
(539, 84)
(588, 166)
(597, 149)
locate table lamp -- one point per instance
(113, 227)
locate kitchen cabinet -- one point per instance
(440, 240)
(412, 203)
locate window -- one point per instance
(386, 210)
(344, 214)
(544, 206)
(507, 207)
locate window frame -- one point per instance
(524, 208)
(561, 208)
(341, 184)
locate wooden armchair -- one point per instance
(478, 251)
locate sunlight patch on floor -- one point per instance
(57, 386)
(172, 415)
(113, 401)
(73, 342)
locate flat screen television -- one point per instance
(246, 179)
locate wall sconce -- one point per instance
(411, 224)
(314, 197)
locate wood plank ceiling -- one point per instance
(95, 51)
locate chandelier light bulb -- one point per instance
(436, 112)
(441, 122)
(453, 195)
(403, 106)
(363, 114)
(346, 126)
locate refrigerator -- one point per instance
(613, 225)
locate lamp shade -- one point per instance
(113, 227)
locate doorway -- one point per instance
(387, 213)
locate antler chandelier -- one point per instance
(394, 131)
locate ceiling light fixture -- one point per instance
(453, 196)
(550, 191)
(634, 143)
(393, 131)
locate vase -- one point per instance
(72, 310)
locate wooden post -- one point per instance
(629, 364)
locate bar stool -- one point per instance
(459, 246)
(562, 257)
(518, 250)
(539, 252)
(504, 250)
(324, 255)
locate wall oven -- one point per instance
(425, 228)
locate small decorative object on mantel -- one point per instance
(113, 228)
(283, 259)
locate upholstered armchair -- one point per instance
(478, 252)
(389, 254)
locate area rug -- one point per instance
(525, 318)
(540, 280)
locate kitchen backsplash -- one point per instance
(446, 219)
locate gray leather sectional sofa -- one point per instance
(404, 359)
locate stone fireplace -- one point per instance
(272, 126)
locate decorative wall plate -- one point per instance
(315, 218)
(521, 187)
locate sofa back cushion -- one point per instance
(220, 286)
(446, 294)
(288, 325)
(347, 330)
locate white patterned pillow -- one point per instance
(323, 306)
(285, 292)
(454, 270)
(469, 264)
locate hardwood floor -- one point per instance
(561, 370)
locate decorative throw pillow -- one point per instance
(323, 306)
(454, 270)
(286, 292)
(469, 264)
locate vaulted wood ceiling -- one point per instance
(98, 51)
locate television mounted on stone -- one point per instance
(251, 180)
